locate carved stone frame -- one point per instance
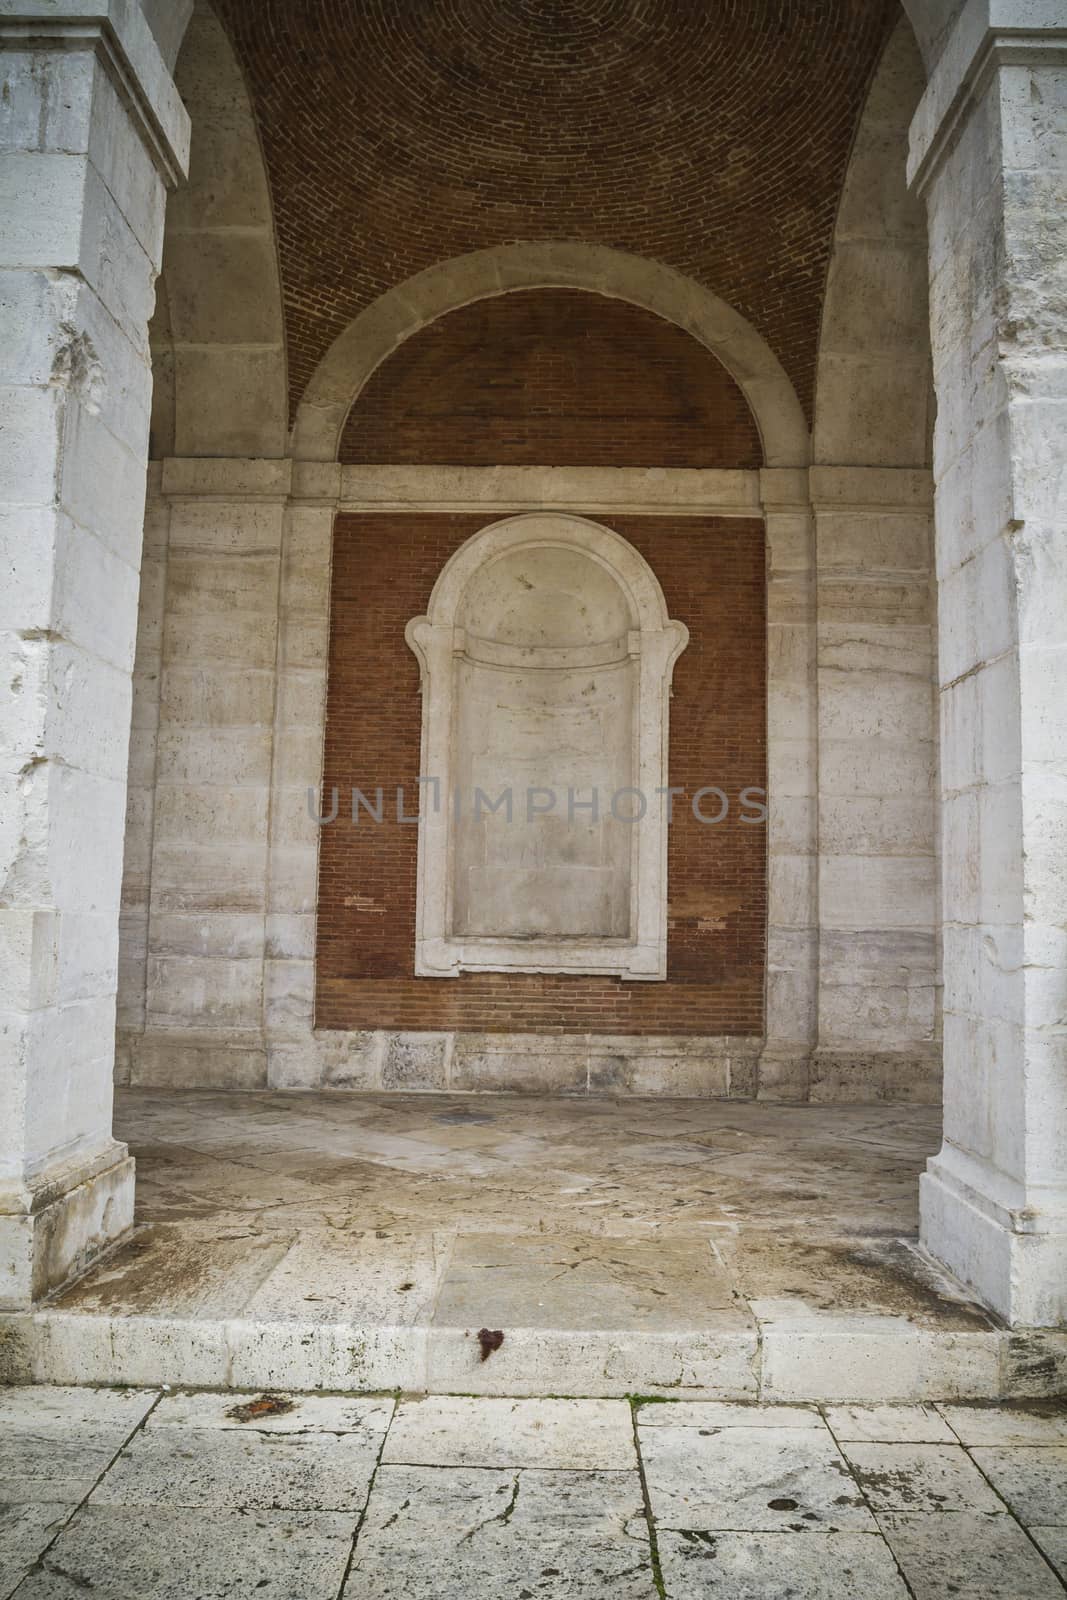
(655, 643)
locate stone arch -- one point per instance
(218, 336)
(395, 316)
(931, 21)
(873, 379)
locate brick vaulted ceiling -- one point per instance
(711, 135)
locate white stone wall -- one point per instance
(990, 154)
(85, 154)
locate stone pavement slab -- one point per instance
(771, 1566)
(57, 1441)
(25, 1532)
(1032, 1479)
(723, 1414)
(125, 1553)
(968, 1557)
(889, 1424)
(220, 1469)
(920, 1477)
(457, 1534)
(1052, 1543)
(1007, 1424)
(269, 1413)
(443, 1431)
(750, 1479)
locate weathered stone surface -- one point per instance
(580, 1535)
(117, 1551)
(25, 1532)
(968, 1556)
(58, 1441)
(920, 1477)
(889, 1424)
(574, 1434)
(1008, 1425)
(767, 1566)
(1031, 1479)
(217, 1468)
(756, 1479)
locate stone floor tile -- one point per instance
(217, 1467)
(968, 1557)
(523, 1281)
(57, 1440)
(750, 1479)
(772, 1566)
(889, 1424)
(1053, 1544)
(176, 1269)
(723, 1414)
(353, 1277)
(299, 1413)
(121, 1553)
(46, 1406)
(1032, 1479)
(1008, 1424)
(25, 1531)
(453, 1534)
(920, 1477)
(489, 1432)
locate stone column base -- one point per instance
(1015, 1261)
(51, 1230)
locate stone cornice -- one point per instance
(988, 34)
(118, 34)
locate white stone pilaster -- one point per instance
(877, 784)
(989, 151)
(212, 749)
(91, 134)
(792, 788)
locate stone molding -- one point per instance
(648, 653)
(420, 300)
(989, 34)
(118, 34)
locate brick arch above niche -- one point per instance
(552, 377)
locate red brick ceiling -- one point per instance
(711, 135)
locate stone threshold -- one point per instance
(781, 1353)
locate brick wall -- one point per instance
(552, 376)
(712, 574)
(713, 138)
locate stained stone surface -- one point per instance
(25, 1532)
(969, 1557)
(1032, 1480)
(553, 1534)
(750, 1479)
(217, 1468)
(775, 1566)
(313, 1496)
(574, 1282)
(126, 1553)
(889, 1424)
(442, 1431)
(56, 1442)
(920, 1477)
(1008, 1425)
(692, 1249)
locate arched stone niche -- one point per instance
(546, 660)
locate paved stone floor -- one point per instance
(707, 1249)
(142, 1495)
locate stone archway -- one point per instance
(372, 337)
